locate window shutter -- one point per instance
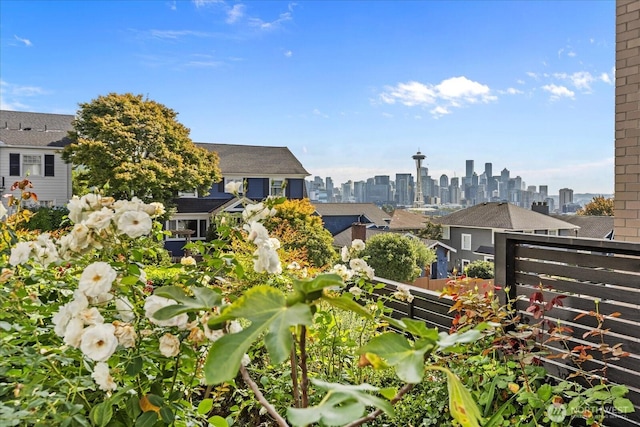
(265, 187)
(14, 164)
(49, 162)
(221, 186)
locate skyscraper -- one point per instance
(566, 197)
(469, 169)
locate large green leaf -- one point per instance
(343, 302)
(342, 405)
(202, 299)
(407, 360)
(318, 283)
(266, 308)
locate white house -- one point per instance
(30, 145)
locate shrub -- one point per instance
(397, 257)
(480, 270)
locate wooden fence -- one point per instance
(586, 273)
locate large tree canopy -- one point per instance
(139, 148)
(598, 206)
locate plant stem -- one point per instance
(373, 415)
(263, 401)
(304, 382)
(294, 375)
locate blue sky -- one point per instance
(354, 89)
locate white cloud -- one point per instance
(235, 13)
(581, 80)
(11, 95)
(558, 91)
(264, 25)
(176, 34)
(532, 75)
(26, 42)
(452, 92)
(511, 91)
(571, 54)
(318, 113)
(173, 5)
(288, 54)
(606, 78)
(520, 81)
(203, 3)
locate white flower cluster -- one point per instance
(357, 266)
(403, 293)
(82, 326)
(94, 218)
(266, 256)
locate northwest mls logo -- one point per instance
(556, 412)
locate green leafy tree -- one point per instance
(138, 148)
(480, 270)
(397, 257)
(298, 229)
(431, 231)
(598, 206)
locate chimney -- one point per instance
(358, 231)
(540, 207)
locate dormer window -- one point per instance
(277, 187)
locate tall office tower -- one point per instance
(347, 192)
(469, 169)
(454, 191)
(517, 183)
(474, 179)
(544, 192)
(419, 197)
(404, 182)
(565, 197)
(359, 191)
(329, 186)
(444, 181)
(488, 170)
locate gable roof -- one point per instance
(368, 211)
(256, 160)
(19, 128)
(198, 205)
(504, 216)
(593, 227)
(406, 220)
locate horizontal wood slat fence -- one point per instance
(589, 273)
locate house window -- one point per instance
(277, 187)
(31, 165)
(49, 165)
(466, 242)
(192, 194)
(14, 164)
(464, 263)
(199, 226)
(446, 232)
(236, 180)
(553, 232)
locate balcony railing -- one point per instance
(597, 276)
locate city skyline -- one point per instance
(353, 89)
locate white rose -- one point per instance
(99, 342)
(125, 309)
(99, 220)
(102, 377)
(134, 223)
(96, 279)
(233, 187)
(187, 260)
(357, 244)
(76, 208)
(344, 254)
(20, 253)
(126, 334)
(91, 316)
(154, 303)
(73, 332)
(169, 345)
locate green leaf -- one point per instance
(451, 340)
(203, 299)
(399, 353)
(129, 280)
(167, 415)
(418, 328)
(218, 421)
(544, 392)
(623, 405)
(343, 302)
(619, 390)
(134, 366)
(101, 414)
(147, 419)
(132, 407)
(318, 283)
(205, 406)
(342, 405)
(266, 308)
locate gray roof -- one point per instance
(198, 205)
(593, 227)
(256, 160)
(367, 210)
(505, 216)
(19, 128)
(407, 220)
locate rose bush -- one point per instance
(87, 341)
